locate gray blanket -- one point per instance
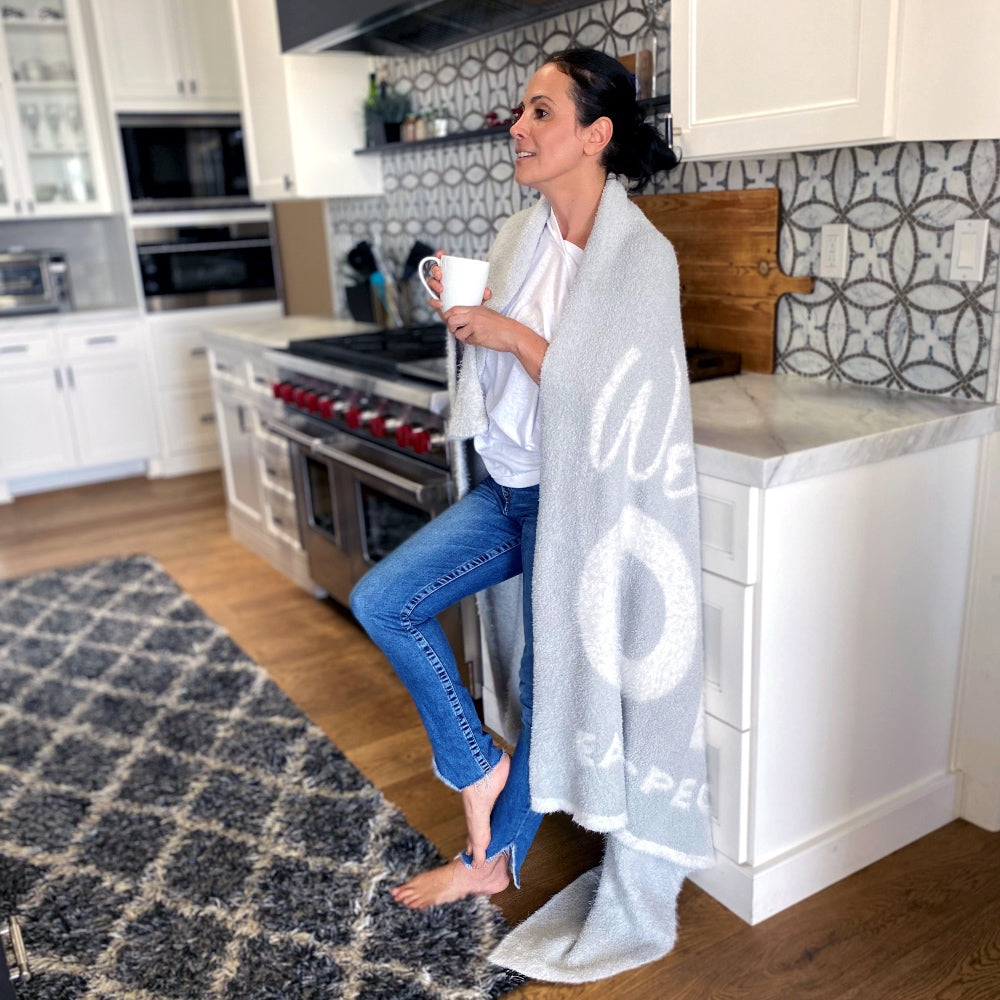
(618, 738)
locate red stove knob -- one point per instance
(377, 426)
(286, 389)
(298, 396)
(276, 389)
(421, 442)
(353, 417)
(404, 434)
(310, 401)
(325, 406)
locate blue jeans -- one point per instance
(487, 537)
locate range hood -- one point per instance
(388, 27)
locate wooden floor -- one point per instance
(922, 923)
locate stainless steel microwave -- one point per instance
(33, 281)
(180, 162)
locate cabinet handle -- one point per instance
(70, 381)
(198, 352)
(242, 415)
(193, 86)
(31, 205)
(288, 182)
(58, 375)
(14, 349)
(107, 338)
(180, 86)
(207, 418)
(17, 205)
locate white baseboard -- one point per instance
(184, 464)
(755, 893)
(71, 477)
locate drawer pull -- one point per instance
(14, 349)
(198, 352)
(108, 338)
(207, 418)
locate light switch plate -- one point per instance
(968, 249)
(833, 247)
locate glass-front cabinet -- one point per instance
(51, 161)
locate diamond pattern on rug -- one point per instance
(172, 826)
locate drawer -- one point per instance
(262, 375)
(189, 418)
(179, 356)
(33, 347)
(105, 338)
(729, 528)
(275, 461)
(229, 367)
(727, 614)
(282, 518)
(728, 753)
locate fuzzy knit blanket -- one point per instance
(618, 731)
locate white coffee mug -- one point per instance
(463, 278)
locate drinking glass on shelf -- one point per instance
(74, 120)
(31, 118)
(53, 117)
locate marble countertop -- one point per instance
(269, 332)
(767, 430)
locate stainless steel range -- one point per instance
(365, 417)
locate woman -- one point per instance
(579, 123)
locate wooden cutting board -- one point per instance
(727, 251)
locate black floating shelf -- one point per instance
(500, 132)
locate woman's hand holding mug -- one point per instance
(460, 281)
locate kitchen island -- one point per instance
(837, 525)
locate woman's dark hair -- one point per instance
(603, 88)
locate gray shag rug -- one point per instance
(172, 826)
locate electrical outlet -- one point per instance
(968, 249)
(833, 248)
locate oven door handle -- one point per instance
(307, 441)
(424, 493)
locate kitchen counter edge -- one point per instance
(770, 430)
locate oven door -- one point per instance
(357, 502)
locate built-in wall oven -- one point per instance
(184, 267)
(364, 416)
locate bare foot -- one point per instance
(478, 800)
(452, 882)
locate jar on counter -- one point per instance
(420, 127)
(439, 123)
(409, 128)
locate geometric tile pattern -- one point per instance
(895, 321)
(172, 826)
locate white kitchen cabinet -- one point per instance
(256, 465)
(169, 55)
(178, 358)
(302, 114)
(831, 676)
(52, 161)
(235, 420)
(780, 75)
(73, 396)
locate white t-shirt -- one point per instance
(509, 445)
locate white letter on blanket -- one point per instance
(654, 675)
(678, 477)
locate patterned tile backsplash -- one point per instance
(894, 321)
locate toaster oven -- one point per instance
(33, 281)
